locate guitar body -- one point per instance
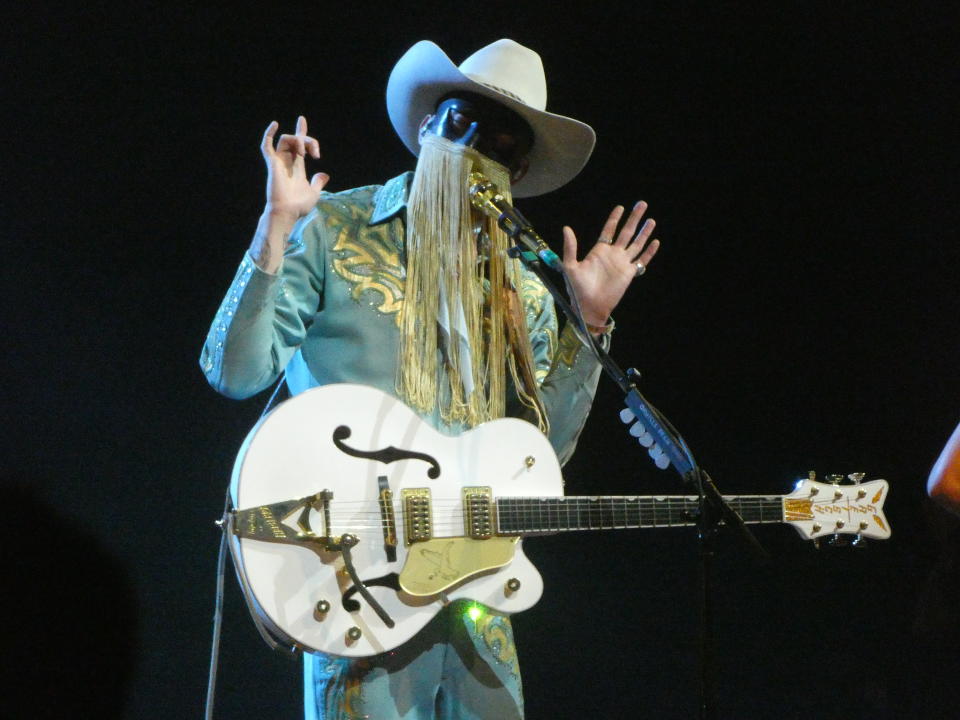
(333, 438)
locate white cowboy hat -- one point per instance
(503, 71)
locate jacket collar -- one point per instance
(391, 198)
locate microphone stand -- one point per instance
(531, 249)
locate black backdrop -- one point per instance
(801, 315)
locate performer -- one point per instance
(404, 287)
(944, 481)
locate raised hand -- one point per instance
(289, 194)
(603, 276)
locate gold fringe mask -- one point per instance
(448, 273)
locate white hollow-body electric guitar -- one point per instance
(356, 522)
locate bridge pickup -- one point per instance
(478, 519)
(417, 514)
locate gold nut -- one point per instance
(864, 525)
(529, 461)
(817, 527)
(861, 494)
(323, 607)
(840, 523)
(814, 490)
(837, 494)
(513, 584)
(354, 633)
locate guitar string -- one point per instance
(523, 505)
(539, 513)
(515, 509)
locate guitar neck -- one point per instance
(529, 515)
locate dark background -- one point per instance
(800, 161)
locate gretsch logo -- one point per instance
(835, 509)
(271, 522)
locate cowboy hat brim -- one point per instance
(425, 73)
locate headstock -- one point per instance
(819, 509)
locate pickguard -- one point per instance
(436, 565)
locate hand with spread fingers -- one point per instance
(290, 195)
(603, 276)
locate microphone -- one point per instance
(486, 197)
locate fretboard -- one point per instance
(518, 516)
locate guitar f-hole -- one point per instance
(385, 455)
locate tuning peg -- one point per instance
(811, 475)
(859, 541)
(835, 479)
(627, 416)
(856, 478)
(838, 540)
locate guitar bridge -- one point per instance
(387, 521)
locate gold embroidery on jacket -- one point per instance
(533, 296)
(367, 257)
(569, 346)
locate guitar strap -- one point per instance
(226, 529)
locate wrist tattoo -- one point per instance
(262, 250)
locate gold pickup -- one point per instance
(417, 515)
(478, 512)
